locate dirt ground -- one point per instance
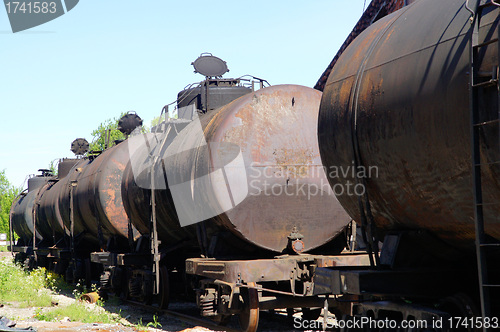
(25, 317)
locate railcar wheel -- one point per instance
(249, 317)
(460, 305)
(164, 288)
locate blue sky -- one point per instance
(61, 79)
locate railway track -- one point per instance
(193, 320)
(269, 321)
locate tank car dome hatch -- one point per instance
(65, 165)
(209, 65)
(38, 181)
(129, 122)
(80, 146)
(211, 94)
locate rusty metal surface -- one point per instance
(359, 259)
(22, 217)
(374, 11)
(54, 210)
(403, 86)
(98, 208)
(262, 270)
(137, 196)
(243, 271)
(274, 130)
(63, 202)
(98, 197)
(48, 219)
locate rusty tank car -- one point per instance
(238, 184)
(21, 213)
(415, 97)
(71, 217)
(229, 198)
(264, 142)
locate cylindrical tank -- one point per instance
(397, 105)
(97, 199)
(22, 217)
(61, 200)
(47, 215)
(23, 208)
(251, 169)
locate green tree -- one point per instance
(7, 195)
(100, 134)
(156, 121)
(53, 166)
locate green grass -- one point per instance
(35, 288)
(77, 312)
(143, 328)
(28, 289)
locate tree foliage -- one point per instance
(53, 166)
(7, 195)
(156, 121)
(100, 134)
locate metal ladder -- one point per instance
(477, 82)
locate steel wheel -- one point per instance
(249, 317)
(460, 305)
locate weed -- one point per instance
(154, 323)
(143, 328)
(28, 288)
(77, 312)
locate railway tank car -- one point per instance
(401, 98)
(21, 214)
(273, 132)
(70, 222)
(405, 102)
(253, 208)
(264, 145)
